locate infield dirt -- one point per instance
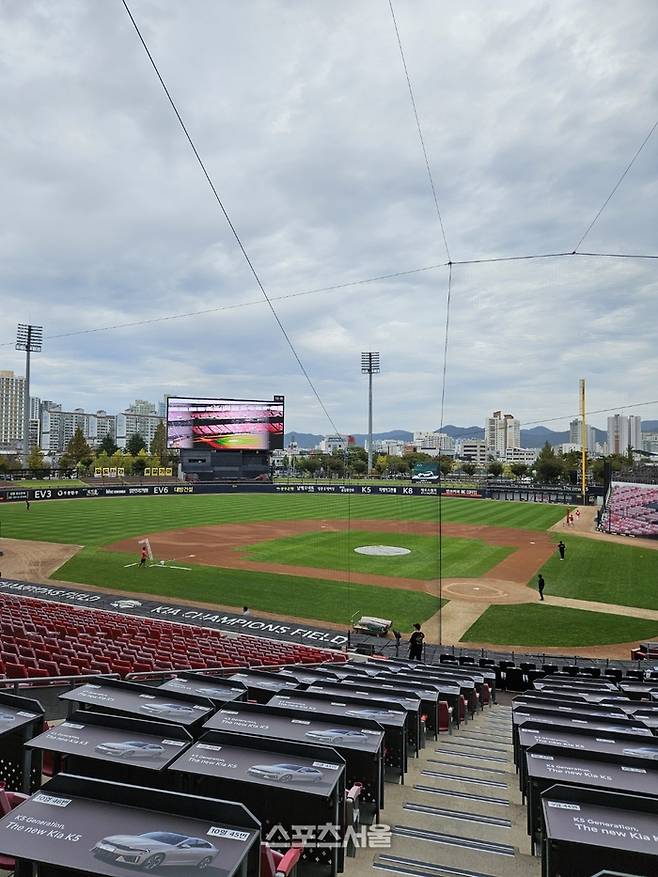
(224, 546)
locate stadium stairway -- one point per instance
(459, 813)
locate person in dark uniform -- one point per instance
(540, 586)
(561, 547)
(27, 505)
(416, 644)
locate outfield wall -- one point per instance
(529, 494)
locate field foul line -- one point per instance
(166, 566)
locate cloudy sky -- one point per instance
(531, 111)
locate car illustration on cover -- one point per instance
(336, 735)
(131, 749)
(154, 849)
(211, 692)
(641, 751)
(169, 710)
(286, 773)
(370, 714)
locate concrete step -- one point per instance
(457, 821)
(429, 853)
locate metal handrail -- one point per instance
(210, 671)
(52, 681)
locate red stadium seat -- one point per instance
(15, 671)
(50, 667)
(61, 640)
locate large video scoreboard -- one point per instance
(225, 424)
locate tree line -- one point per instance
(79, 454)
(550, 467)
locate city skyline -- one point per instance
(314, 149)
(157, 407)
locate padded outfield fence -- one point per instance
(546, 494)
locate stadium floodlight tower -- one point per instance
(30, 339)
(370, 367)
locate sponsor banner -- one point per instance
(165, 611)
(558, 495)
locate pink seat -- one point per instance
(276, 864)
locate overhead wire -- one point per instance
(243, 304)
(618, 255)
(435, 197)
(334, 287)
(229, 221)
(446, 336)
(616, 186)
(588, 413)
(267, 299)
(420, 130)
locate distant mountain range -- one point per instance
(530, 438)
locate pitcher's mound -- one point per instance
(382, 550)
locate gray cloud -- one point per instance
(530, 112)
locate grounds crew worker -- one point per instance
(416, 644)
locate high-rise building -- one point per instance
(434, 443)
(575, 431)
(521, 455)
(473, 450)
(141, 406)
(635, 431)
(58, 428)
(106, 424)
(502, 431)
(331, 443)
(650, 442)
(130, 422)
(624, 432)
(12, 393)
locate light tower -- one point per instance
(28, 338)
(370, 367)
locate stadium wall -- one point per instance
(546, 494)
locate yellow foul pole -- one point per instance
(583, 439)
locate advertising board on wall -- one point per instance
(181, 614)
(557, 494)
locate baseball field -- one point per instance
(299, 557)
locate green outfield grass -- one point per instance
(101, 521)
(535, 624)
(286, 595)
(335, 550)
(605, 572)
